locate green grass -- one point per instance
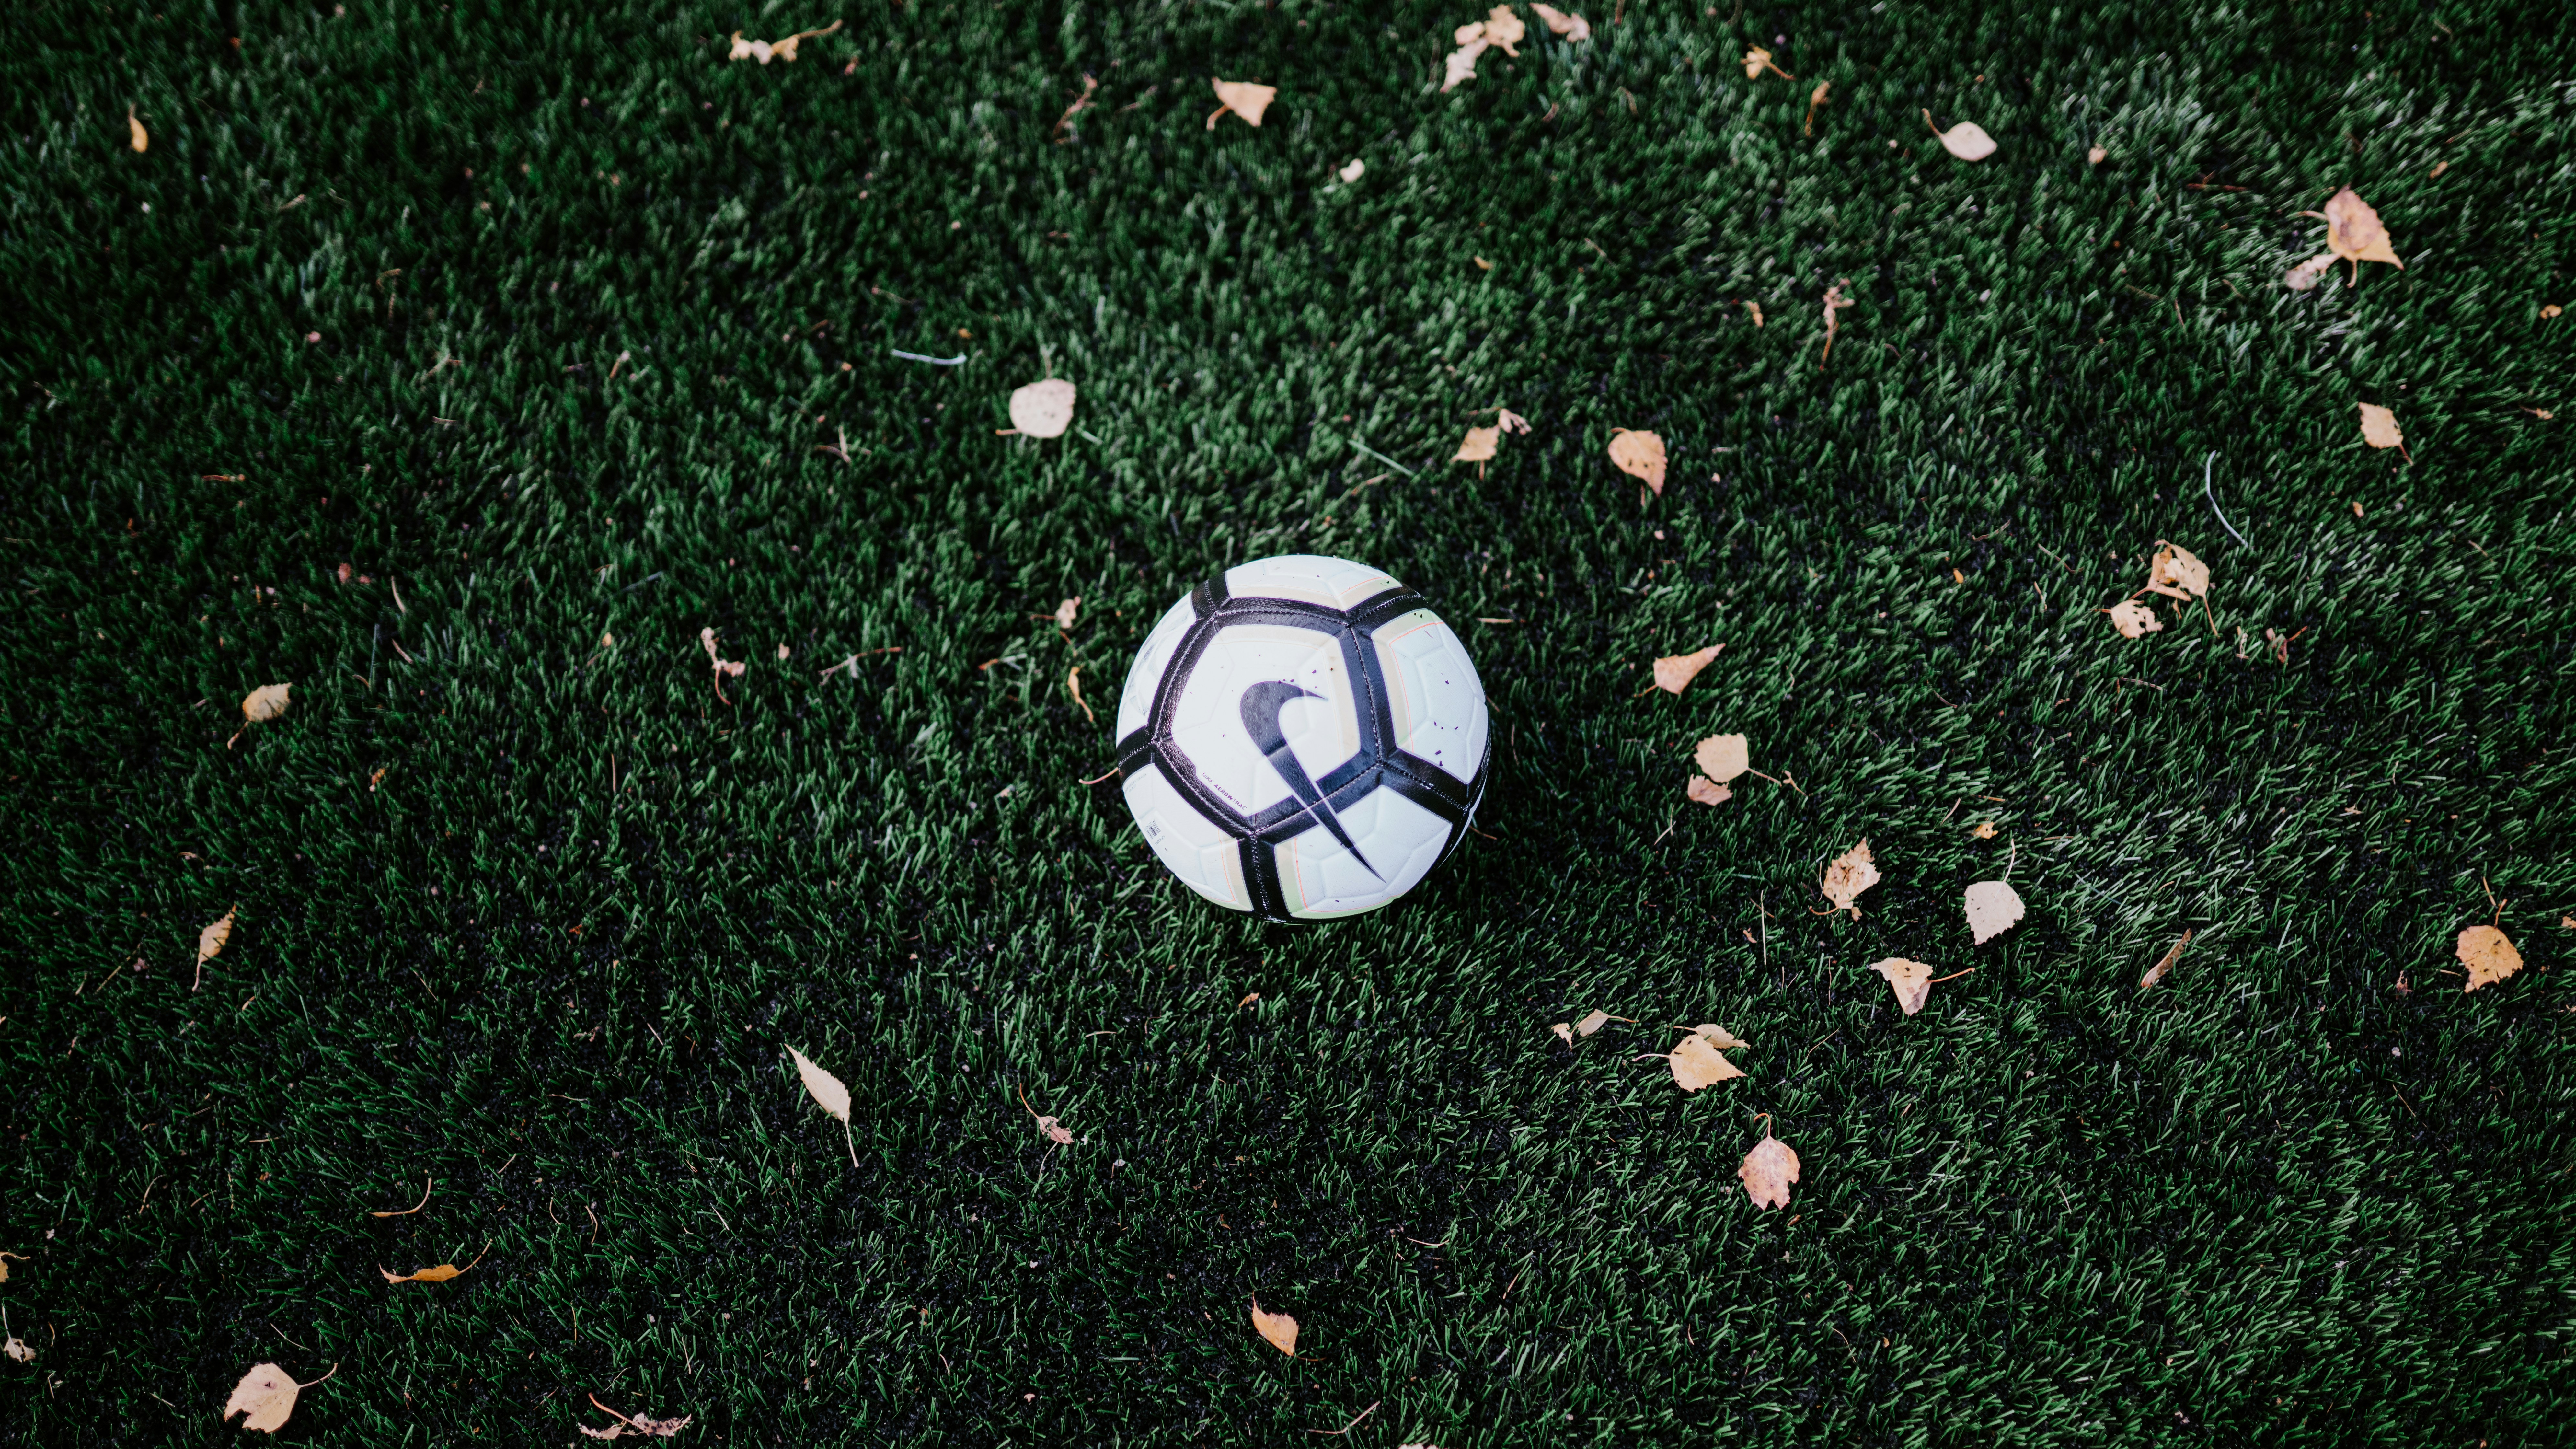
(536, 916)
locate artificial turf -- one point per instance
(537, 317)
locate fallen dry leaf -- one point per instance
(764, 50)
(723, 666)
(1984, 830)
(4, 1263)
(1479, 445)
(2094, 157)
(1718, 1036)
(1574, 28)
(1460, 67)
(1992, 909)
(1056, 1132)
(1065, 612)
(139, 139)
(1674, 672)
(1852, 872)
(439, 1274)
(1505, 29)
(1967, 140)
(1722, 757)
(18, 1350)
(266, 702)
(1591, 1022)
(1639, 455)
(1696, 1064)
(1278, 1328)
(1758, 60)
(210, 941)
(2379, 429)
(2157, 972)
(636, 1424)
(1353, 172)
(1815, 98)
(1043, 409)
(1756, 309)
(1767, 1172)
(265, 1397)
(1708, 792)
(1244, 98)
(828, 1093)
(1510, 422)
(2552, 310)
(2488, 955)
(2175, 572)
(2304, 276)
(1835, 302)
(1910, 980)
(2133, 619)
(1564, 1032)
(2354, 233)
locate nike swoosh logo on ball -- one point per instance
(1261, 705)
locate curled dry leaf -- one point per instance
(266, 702)
(439, 1274)
(2133, 619)
(1984, 830)
(1043, 409)
(2095, 156)
(1910, 980)
(1708, 792)
(1674, 672)
(766, 50)
(1993, 908)
(2157, 972)
(210, 942)
(1574, 28)
(1718, 1036)
(1460, 66)
(1056, 1132)
(1696, 1064)
(2379, 429)
(1851, 872)
(1479, 445)
(1758, 60)
(1278, 1329)
(2489, 956)
(1244, 98)
(1967, 140)
(18, 1350)
(2355, 234)
(1835, 302)
(1639, 455)
(1767, 1172)
(4, 1263)
(1722, 757)
(2174, 573)
(2304, 276)
(1354, 171)
(1510, 422)
(1564, 1032)
(137, 137)
(638, 1425)
(1065, 612)
(1591, 1022)
(265, 1397)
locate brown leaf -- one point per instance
(139, 139)
(265, 1396)
(2173, 567)
(439, 1274)
(1756, 309)
(1674, 672)
(2488, 955)
(2551, 310)
(1696, 1064)
(1591, 1022)
(18, 1350)
(1967, 140)
(1758, 60)
(1639, 455)
(1564, 1032)
(1708, 792)
(1722, 757)
(1056, 1133)
(2157, 972)
(4, 1263)
(1509, 421)
(1278, 1328)
(1244, 98)
(1479, 445)
(2133, 619)
(1043, 409)
(1910, 980)
(2095, 156)
(2304, 276)
(1852, 872)
(2379, 428)
(266, 702)
(1767, 1172)
(1985, 830)
(1065, 612)
(210, 941)
(1835, 302)
(1719, 1036)
(1574, 28)
(636, 1424)
(2354, 233)
(826, 1090)
(1505, 29)
(1992, 909)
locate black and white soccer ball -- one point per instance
(1302, 738)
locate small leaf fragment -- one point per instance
(439, 1274)
(4, 1263)
(1043, 409)
(2174, 568)
(1353, 171)
(1707, 791)
(1723, 757)
(2157, 972)
(1758, 60)
(2379, 427)
(1767, 1172)
(1696, 1064)
(1245, 98)
(826, 1090)
(1910, 980)
(2133, 619)
(266, 702)
(1592, 1021)
(2489, 956)
(1993, 908)
(1718, 1036)
(1510, 422)
(1674, 672)
(1479, 446)
(1460, 66)
(1056, 1132)
(1065, 612)
(1278, 1328)
(1984, 830)
(2095, 156)
(1967, 140)
(210, 942)
(18, 1350)
(265, 1397)
(137, 137)
(2354, 231)
(1505, 29)
(1564, 1032)
(2304, 276)
(1851, 872)
(1574, 28)
(1639, 455)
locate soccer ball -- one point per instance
(1302, 739)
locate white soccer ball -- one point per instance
(1302, 738)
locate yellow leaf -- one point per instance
(1967, 140)
(2488, 955)
(4, 1263)
(211, 940)
(1758, 60)
(2354, 232)
(1674, 672)
(1722, 757)
(439, 1274)
(1043, 409)
(1708, 792)
(1278, 1328)
(266, 702)
(2379, 428)
(1244, 98)
(2133, 619)
(2157, 972)
(1592, 1022)
(1719, 1036)
(2174, 567)
(1639, 455)
(265, 1396)
(1910, 980)
(826, 1090)
(1696, 1064)
(1985, 830)
(1767, 1172)
(1992, 909)
(1479, 446)
(1574, 28)
(1564, 1033)
(1852, 872)
(140, 139)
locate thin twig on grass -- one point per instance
(1353, 1424)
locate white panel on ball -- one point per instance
(1136, 696)
(1200, 851)
(1335, 583)
(1209, 714)
(1400, 840)
(1433, 693)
